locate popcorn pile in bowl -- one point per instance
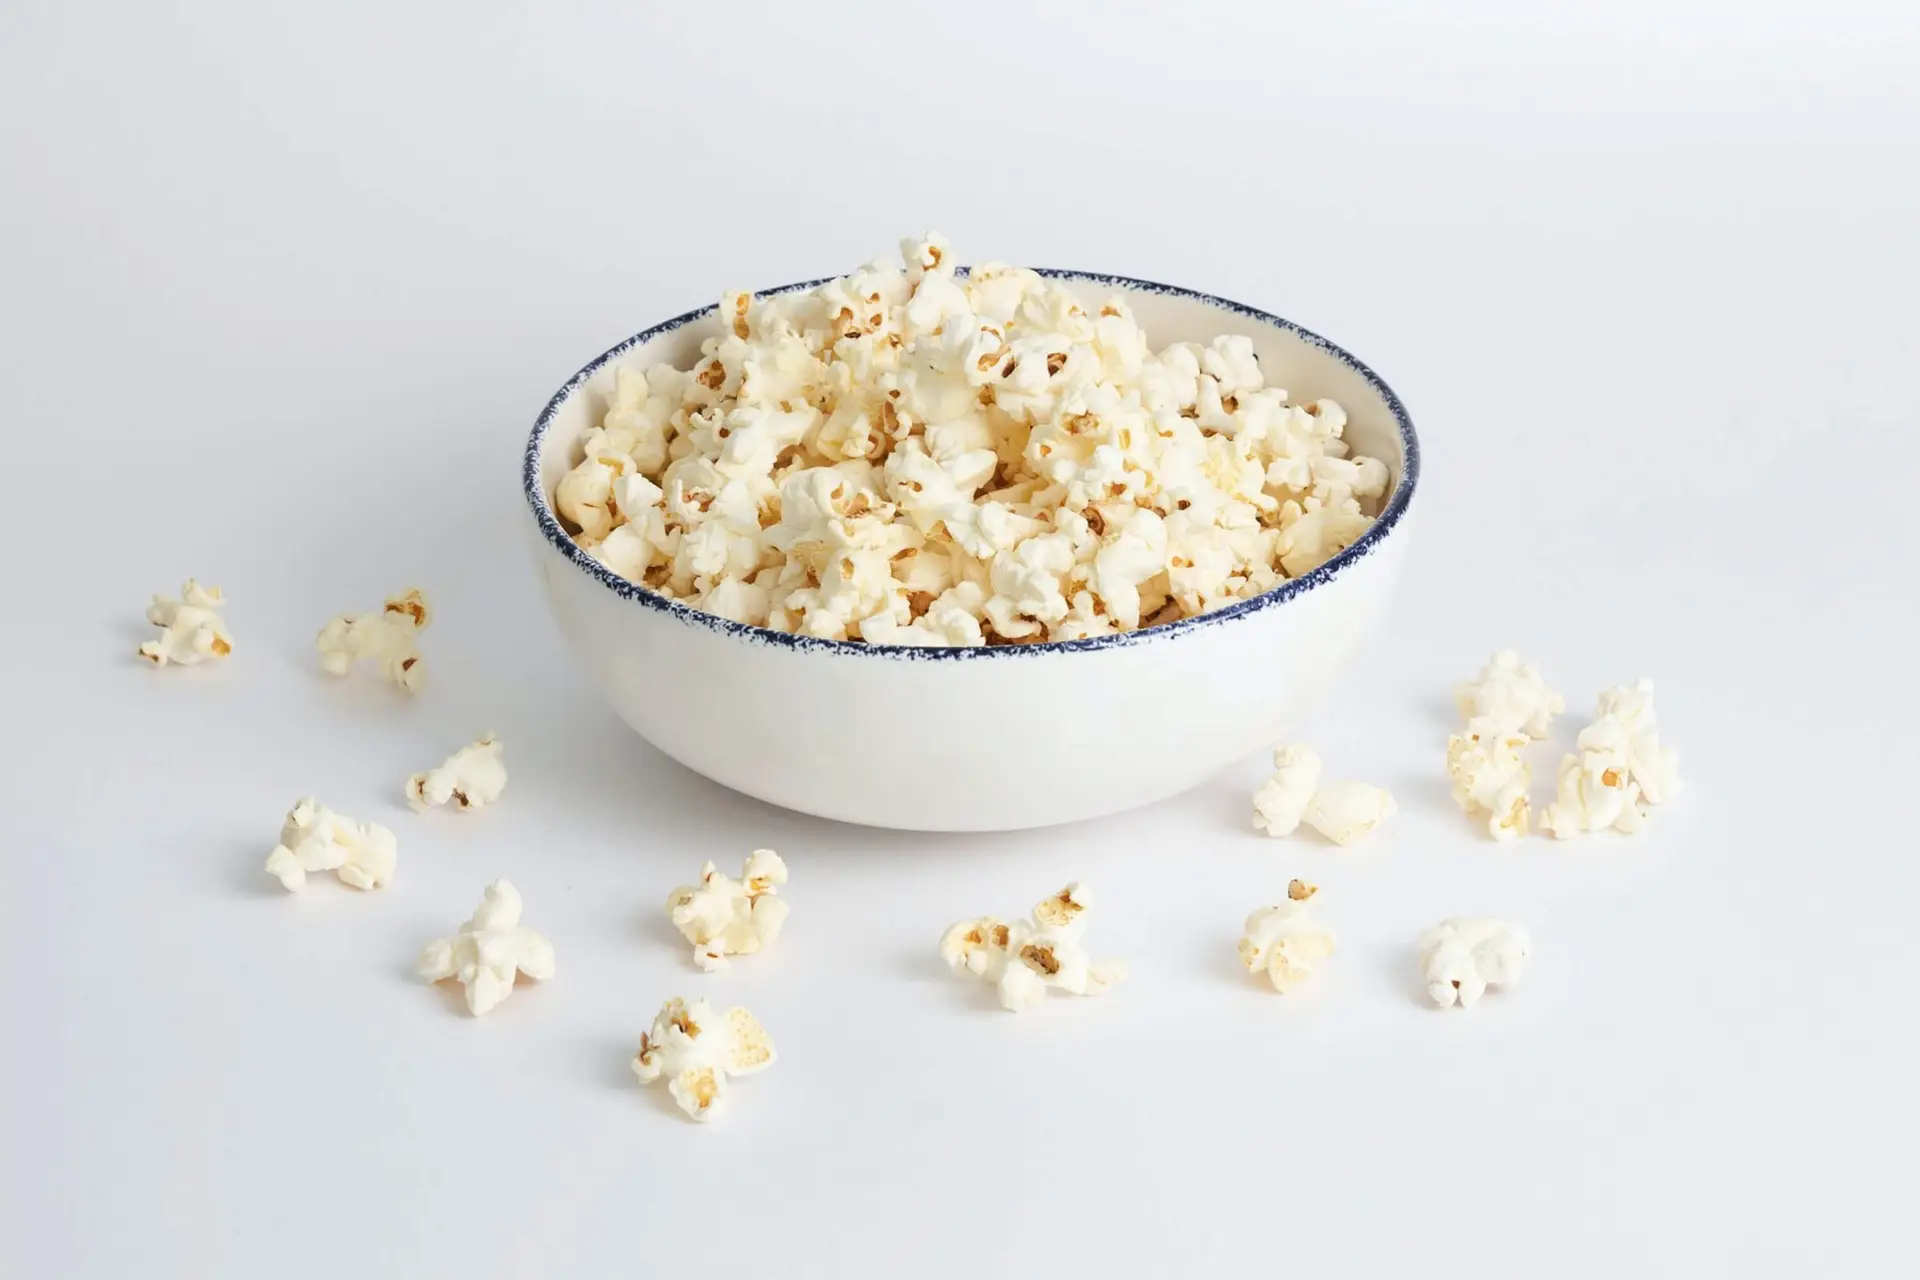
(909, 456)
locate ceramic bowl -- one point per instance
(982, 739)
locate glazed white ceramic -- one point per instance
(983, 739)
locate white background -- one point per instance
(281, 289)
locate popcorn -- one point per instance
(472, 777)
(387, 637)
(697, 1052)
(1315, 532)
(1509, 696)
(314, 838)
(489, 951)
(1285, 941)
(722, 916)
(191, 629)
(838, 462)
(1596, 789)
(1490, 774)
(1345, 811)
(1655, 769)
(1460, 958)
(1026, 958)
(1282, 800)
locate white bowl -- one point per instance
(984, 739)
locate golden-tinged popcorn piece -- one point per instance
(1490, 775)
(1595, 789)
(1282, 800)
(362, 855)
(1619, 768)
(1285, 941)
(1655, 768)
(1024, 959)
(191, 628)
(490, 951)
(722, 916)
(387, 637)
(471, 778)
(1460, 958)
(1345, 811)
(698, 1051)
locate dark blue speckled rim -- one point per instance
(543, 514)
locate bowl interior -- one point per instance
(1305, 364)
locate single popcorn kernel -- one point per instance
(697, 1052)
(387, 637)
(1284, 941)
(1509, 696)
(361, 855)
(1282, 800)
(490, 951)
(721, 916)
(1619, 768)
(1460, 958)
(1489, 774)
(986, 424)
(191, 628)
(1343, 812)
(1026, 958)
(471, 778)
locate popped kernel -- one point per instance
(387, 638)
(491, 950)
(1024, 959)
(697, 1052)
(471, 778)
(191, 628)
(724, 917)
(1460, 958)
(362, 855)
(1284, 941)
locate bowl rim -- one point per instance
(1389, 518)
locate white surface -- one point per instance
(803, 727)
(280, 296)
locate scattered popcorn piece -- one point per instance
(1490, 774)
(697, 1052)
(1282, 799)
(907, 457)
(1285, 940)
(191, 628)
(1025, 958)
(1345, 811)
(722, 916)
(1654, 768)
(1595, 789)
(1510, 696)
(489, 950)
(1460, 958)
(314, 838)
(472, 777)
(387, 637)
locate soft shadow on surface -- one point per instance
(1428, 793)
(924, 965)
(1402, 966)
(615, 1062)
(1441, 711)
(657, 927)
(241, 871)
